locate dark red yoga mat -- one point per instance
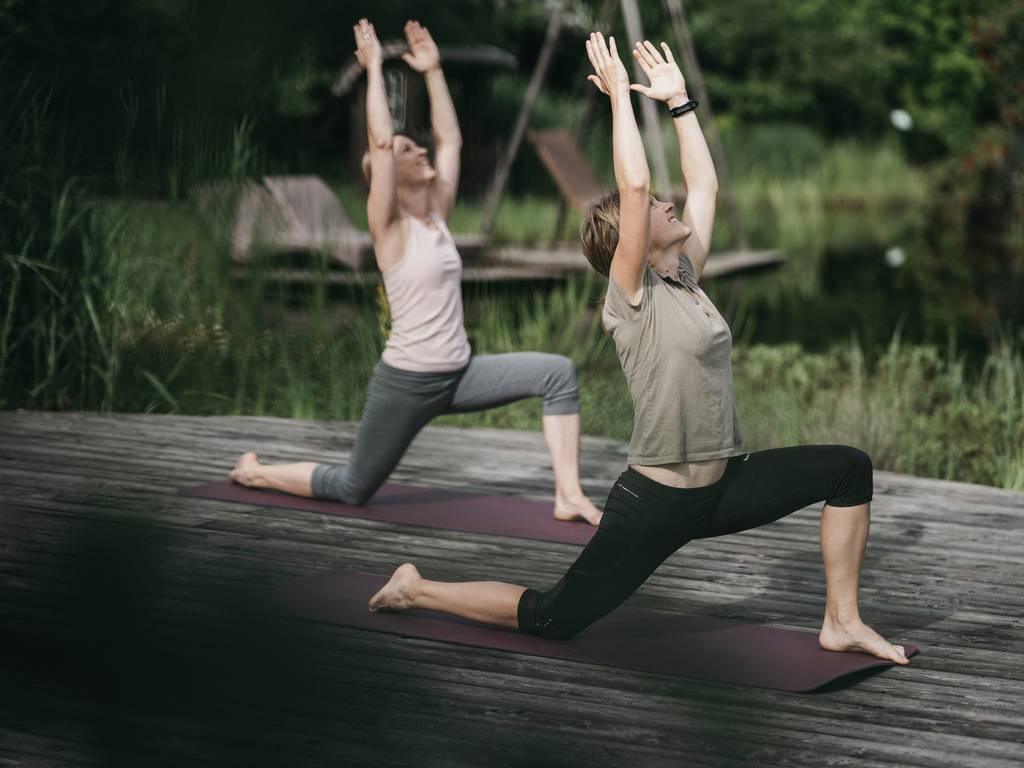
(428, 507)
(630, 638)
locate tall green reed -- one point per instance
(85, 280)
(914, 409)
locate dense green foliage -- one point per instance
(842, 67)
(133, 80)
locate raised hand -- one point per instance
(368, 50)
(610, 74)
(423, 55)
(663, 72)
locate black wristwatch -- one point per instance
(682, 109)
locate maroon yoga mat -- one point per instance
(630, 638)
(428, 507)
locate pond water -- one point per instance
(866, 279)
(849, 275)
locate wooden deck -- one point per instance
(128, 636)
(509, 263)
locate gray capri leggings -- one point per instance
(400, 403)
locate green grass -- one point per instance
(151, 323)
(914, 409)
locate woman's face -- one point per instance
(412, 165)
(666, 230)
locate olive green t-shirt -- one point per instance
(675, 350)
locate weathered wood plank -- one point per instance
(943, 567)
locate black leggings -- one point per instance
(645, 522)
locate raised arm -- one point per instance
(381, 206)
(423, 57)
(668, 85)
(632, 176)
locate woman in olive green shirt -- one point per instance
(688, 476)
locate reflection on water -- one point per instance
(851, 275)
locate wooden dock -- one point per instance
(511, 264)
(130, 633)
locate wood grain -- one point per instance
(132, 635)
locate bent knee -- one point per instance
(564, 370)
(855, 478)
(537, 617)
(333, 483)
(858, 463)
(560, 373)
(561, 392)
(357, 498)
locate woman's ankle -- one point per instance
(842, 615)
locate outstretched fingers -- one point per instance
(415, 32)
(600, 50)
(365, 34)
(647, 64)
(364, 30)
(425, 35)
(643, 57)
(366, 38)
(608, 69)
(642, 61)
(594, 54)
(653, 52)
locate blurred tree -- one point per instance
(842, 67)
(126, 75)
(977, 215)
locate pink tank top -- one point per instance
(425, 296)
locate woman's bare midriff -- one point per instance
(685, 474)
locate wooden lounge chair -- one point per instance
(301, 213)
(287, 213)
(576, 181)
(567, 166)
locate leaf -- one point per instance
(162, 391)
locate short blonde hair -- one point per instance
(599, 231)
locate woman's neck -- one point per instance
(415, 202)
(665, 262)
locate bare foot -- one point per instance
(858, 636)
(399, 592)
(245, 470)
(577, 508)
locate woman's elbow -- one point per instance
(451, 140)
(639, 185)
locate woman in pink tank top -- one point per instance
(427, 367)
